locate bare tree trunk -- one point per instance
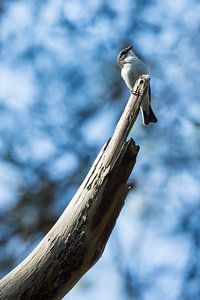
(77, 240)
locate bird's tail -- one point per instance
(148, 117)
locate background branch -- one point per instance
(78, 238)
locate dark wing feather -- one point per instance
(149, 92)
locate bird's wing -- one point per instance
(149, 93)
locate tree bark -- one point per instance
(77, 240)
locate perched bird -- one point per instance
(131, 68)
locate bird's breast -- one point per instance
(128, 75)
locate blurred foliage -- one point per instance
(60, 97)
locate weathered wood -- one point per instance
(78, 238)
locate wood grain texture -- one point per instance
(77, 240)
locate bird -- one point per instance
(131, 68)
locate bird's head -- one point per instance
(124, 55)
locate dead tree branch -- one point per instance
(77, 240)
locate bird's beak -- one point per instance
(130, 47)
